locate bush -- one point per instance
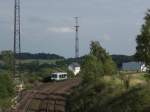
(6, 89)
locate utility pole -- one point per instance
(76, 38)
(17, 52)
(17, 41)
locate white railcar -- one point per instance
(58, 76)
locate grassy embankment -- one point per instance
(128, 92)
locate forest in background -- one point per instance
(54, 58)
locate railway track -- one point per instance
(49, 97)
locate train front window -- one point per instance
(54, 76)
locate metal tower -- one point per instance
(17, 44)
(76, 38)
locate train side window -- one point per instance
(60, 76)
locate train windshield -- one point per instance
(54, 75)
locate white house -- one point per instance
(75, 68)
(134, 66)
(143, 68)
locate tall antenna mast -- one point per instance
(17, 44)
(76, 38)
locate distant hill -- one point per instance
(119, 59)
(40, 56)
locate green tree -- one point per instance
(6, 86)
(7, 57)
(97, 64)
(6, 90)
(109, 67)
(102, 56)
(98, 51)
(143, 42)
(92, 69)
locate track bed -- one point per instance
(48, 97)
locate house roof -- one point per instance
(132, 65)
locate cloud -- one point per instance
(60, 29)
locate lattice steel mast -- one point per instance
(76, 38)
(17, 41)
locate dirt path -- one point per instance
(49, 97)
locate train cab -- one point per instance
(58, 76)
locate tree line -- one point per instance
(34, 56)
(118, 59)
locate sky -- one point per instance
(48, 25)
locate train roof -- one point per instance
(59, 73)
